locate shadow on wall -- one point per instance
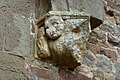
(42, 7)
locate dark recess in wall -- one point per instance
(94, 22)
(42, 7)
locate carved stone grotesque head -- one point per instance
(62, 38)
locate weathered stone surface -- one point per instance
(2, 28)
(118, 50)
(93, 7)
(12, 33)
(109, 53)
(113, 40)
(98, 75)
(89, 58)
(117, 69)
(112, 5)
(93, 47)
(9, 75)
(97, 44)
(86, 70)
(2, 24)
(117, 18)
(109, 76)
(104, 63)
(67, 75)
(113, 33)
(117, 78)
(117, 2)
(99, 38)
(14, 37)
(57, 5)
(23, 7)
(110, 28)
(12, 27)
(66, 38)
(42, 47)
(23, 24)
(44, 74)
(97, 35)
(11, 67)
(101, 75)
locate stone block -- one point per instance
(9, 75)
(23, 27)
(104, 63)
(93, 7)
(57, 5)
(117, 69)
(12, 33)
(11, 67)
(23, 7)
(101, 75)
(44, 74)
(89, 58)
(67, 75)
(109, 53)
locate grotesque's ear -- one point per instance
(95, 22)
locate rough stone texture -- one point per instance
(9, 75)
(89, 58)
(67, 75)
(118, 50)
(16, 26)
(11, 67)
(63, 75)
(104, 63)
(101, 75)
(23, 49)
(102, 52)
(101, 60)
(93, 7)
(2, 27)
(46, 74)
(63, 40)
(102, 57)
(57, 5)
(23, 7)
(14, 37)
(109, 53)
(12, 33)
(109, 76)
(43, 49)
(117, 69)
(98, 75)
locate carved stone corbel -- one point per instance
(61, 37)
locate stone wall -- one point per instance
(15, 46)
(102, 56)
